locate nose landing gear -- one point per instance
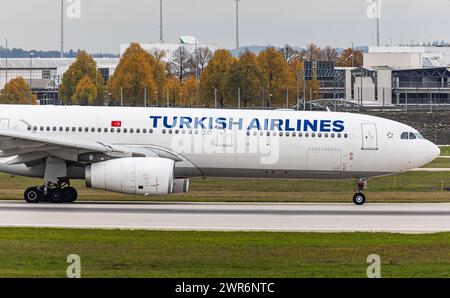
(58, 193)
(359, 198)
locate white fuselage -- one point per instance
(234, 143)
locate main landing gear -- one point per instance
(58, 193)
(359, 198)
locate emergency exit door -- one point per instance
(369, 136)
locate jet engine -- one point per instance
(135, 176)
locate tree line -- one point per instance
(273, 78)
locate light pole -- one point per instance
(6, 61)
(378, 22)
(62, 29)
(31, 69)
(161, 33)
(237, 26)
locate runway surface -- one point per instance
(399, 218)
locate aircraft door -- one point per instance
(369, 136)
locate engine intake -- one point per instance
(135, 176)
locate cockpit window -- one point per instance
(411, 136)
(419, 136)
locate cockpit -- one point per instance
(411, 136)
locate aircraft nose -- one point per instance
(433, 151)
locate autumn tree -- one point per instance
(133, 77)
(159, 72)
(296, 79)
(85, 92)
(181, 64)
(312, 52)
(173, 91)
(213, 77)
(275, 73)
(83, 66)
(17, 91)
(189, 90)
(201, 58)
(328, 54)
(350, 58)
(245, 74)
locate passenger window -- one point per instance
(105, 130)
(144, 130)
(67, 129)
(138, 130)
(125, 130)
(112, 130)
(74, 129)
(86, 129)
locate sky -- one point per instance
(105, 24)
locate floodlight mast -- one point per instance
(161, 32)
(237, 26)
(62, 29)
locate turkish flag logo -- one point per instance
(116, 123)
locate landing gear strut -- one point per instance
(58, 193)
(359, 198)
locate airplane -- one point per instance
(155, 151)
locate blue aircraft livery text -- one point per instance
(248, 124)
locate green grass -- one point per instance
(408, 187)
(43, 253)
(439, 163)
(445, 150)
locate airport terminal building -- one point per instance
(401, 76)
(45, 73)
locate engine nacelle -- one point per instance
(135, 176)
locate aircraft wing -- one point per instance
(27, 147)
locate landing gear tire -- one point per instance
(69, 195)
(55, 196)
(359, 199)
(33, 195)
